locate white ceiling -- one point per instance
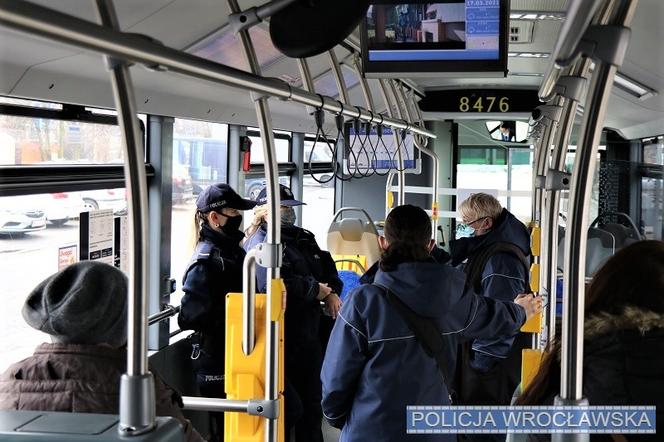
(29, 66)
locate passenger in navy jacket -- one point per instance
(374, 367)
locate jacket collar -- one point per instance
(90, 350)
(631, 318)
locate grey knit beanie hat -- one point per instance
(86, 303)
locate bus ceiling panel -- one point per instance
(161, 19)
(156, 93)
(634, 119)
(539, 5)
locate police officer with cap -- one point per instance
(310, 276)
(215, 270)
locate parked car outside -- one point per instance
(19, 215)
(61, 207)
(115, 199)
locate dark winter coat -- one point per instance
(304, 266)
(374, 367)
(503, 278)
(79, 379)
(623, 364)
(215, 270)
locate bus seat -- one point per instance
(624, 235)
(599, 248)
(355, 263)
(351, 236)
(50, 426)
(350, 279)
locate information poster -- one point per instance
(96, 236)
(120, 238)
(67, 255)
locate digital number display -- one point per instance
(480, 101)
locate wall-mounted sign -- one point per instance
(66, 256)
(480, 101)
(96, 236)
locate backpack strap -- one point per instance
(475, 267)
(426, 333)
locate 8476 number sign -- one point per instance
(484, 104)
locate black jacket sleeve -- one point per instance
(330, 274)
(199, 308)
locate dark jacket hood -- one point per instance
(426, 287)
(631, 318)
(506, 228)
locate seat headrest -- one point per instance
(351, 229)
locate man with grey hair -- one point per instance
(493, 248)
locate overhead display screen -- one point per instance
(448, 35)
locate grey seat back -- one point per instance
(48, 426)
(600, 247)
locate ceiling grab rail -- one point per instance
(606, 45)
(391, 112)
(137, 394)
(53, 25)
(268, 254)
(344, 100)
(434, 158)
(571, 87)
(369, 102)
(319, 117)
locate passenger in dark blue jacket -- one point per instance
(492, 247)
(310, 277)
(374, 367)
(215, 270)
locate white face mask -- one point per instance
(288, 216)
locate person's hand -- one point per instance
(531, 304)
(323, 291)
(332, 305)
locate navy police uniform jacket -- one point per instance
(503, 278)
(215, 270)
(304, 266)
(374, 367)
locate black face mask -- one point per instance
(232, 225)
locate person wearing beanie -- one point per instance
(84, 310)
(215, 269)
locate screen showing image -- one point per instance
(441, 31)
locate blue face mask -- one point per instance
(466, 230)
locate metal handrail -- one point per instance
(137, 394)
(552, 201)
(168, 312)
(390, 111)
(53, 25)
(579, 15)
(273, 239)
(571, 377)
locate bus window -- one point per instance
(652, 189)
(318, 213)
(281, 141)
(200, 155)
(41, 141)
(38, 234)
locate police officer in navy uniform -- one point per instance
(215, 270)
(310, 276)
